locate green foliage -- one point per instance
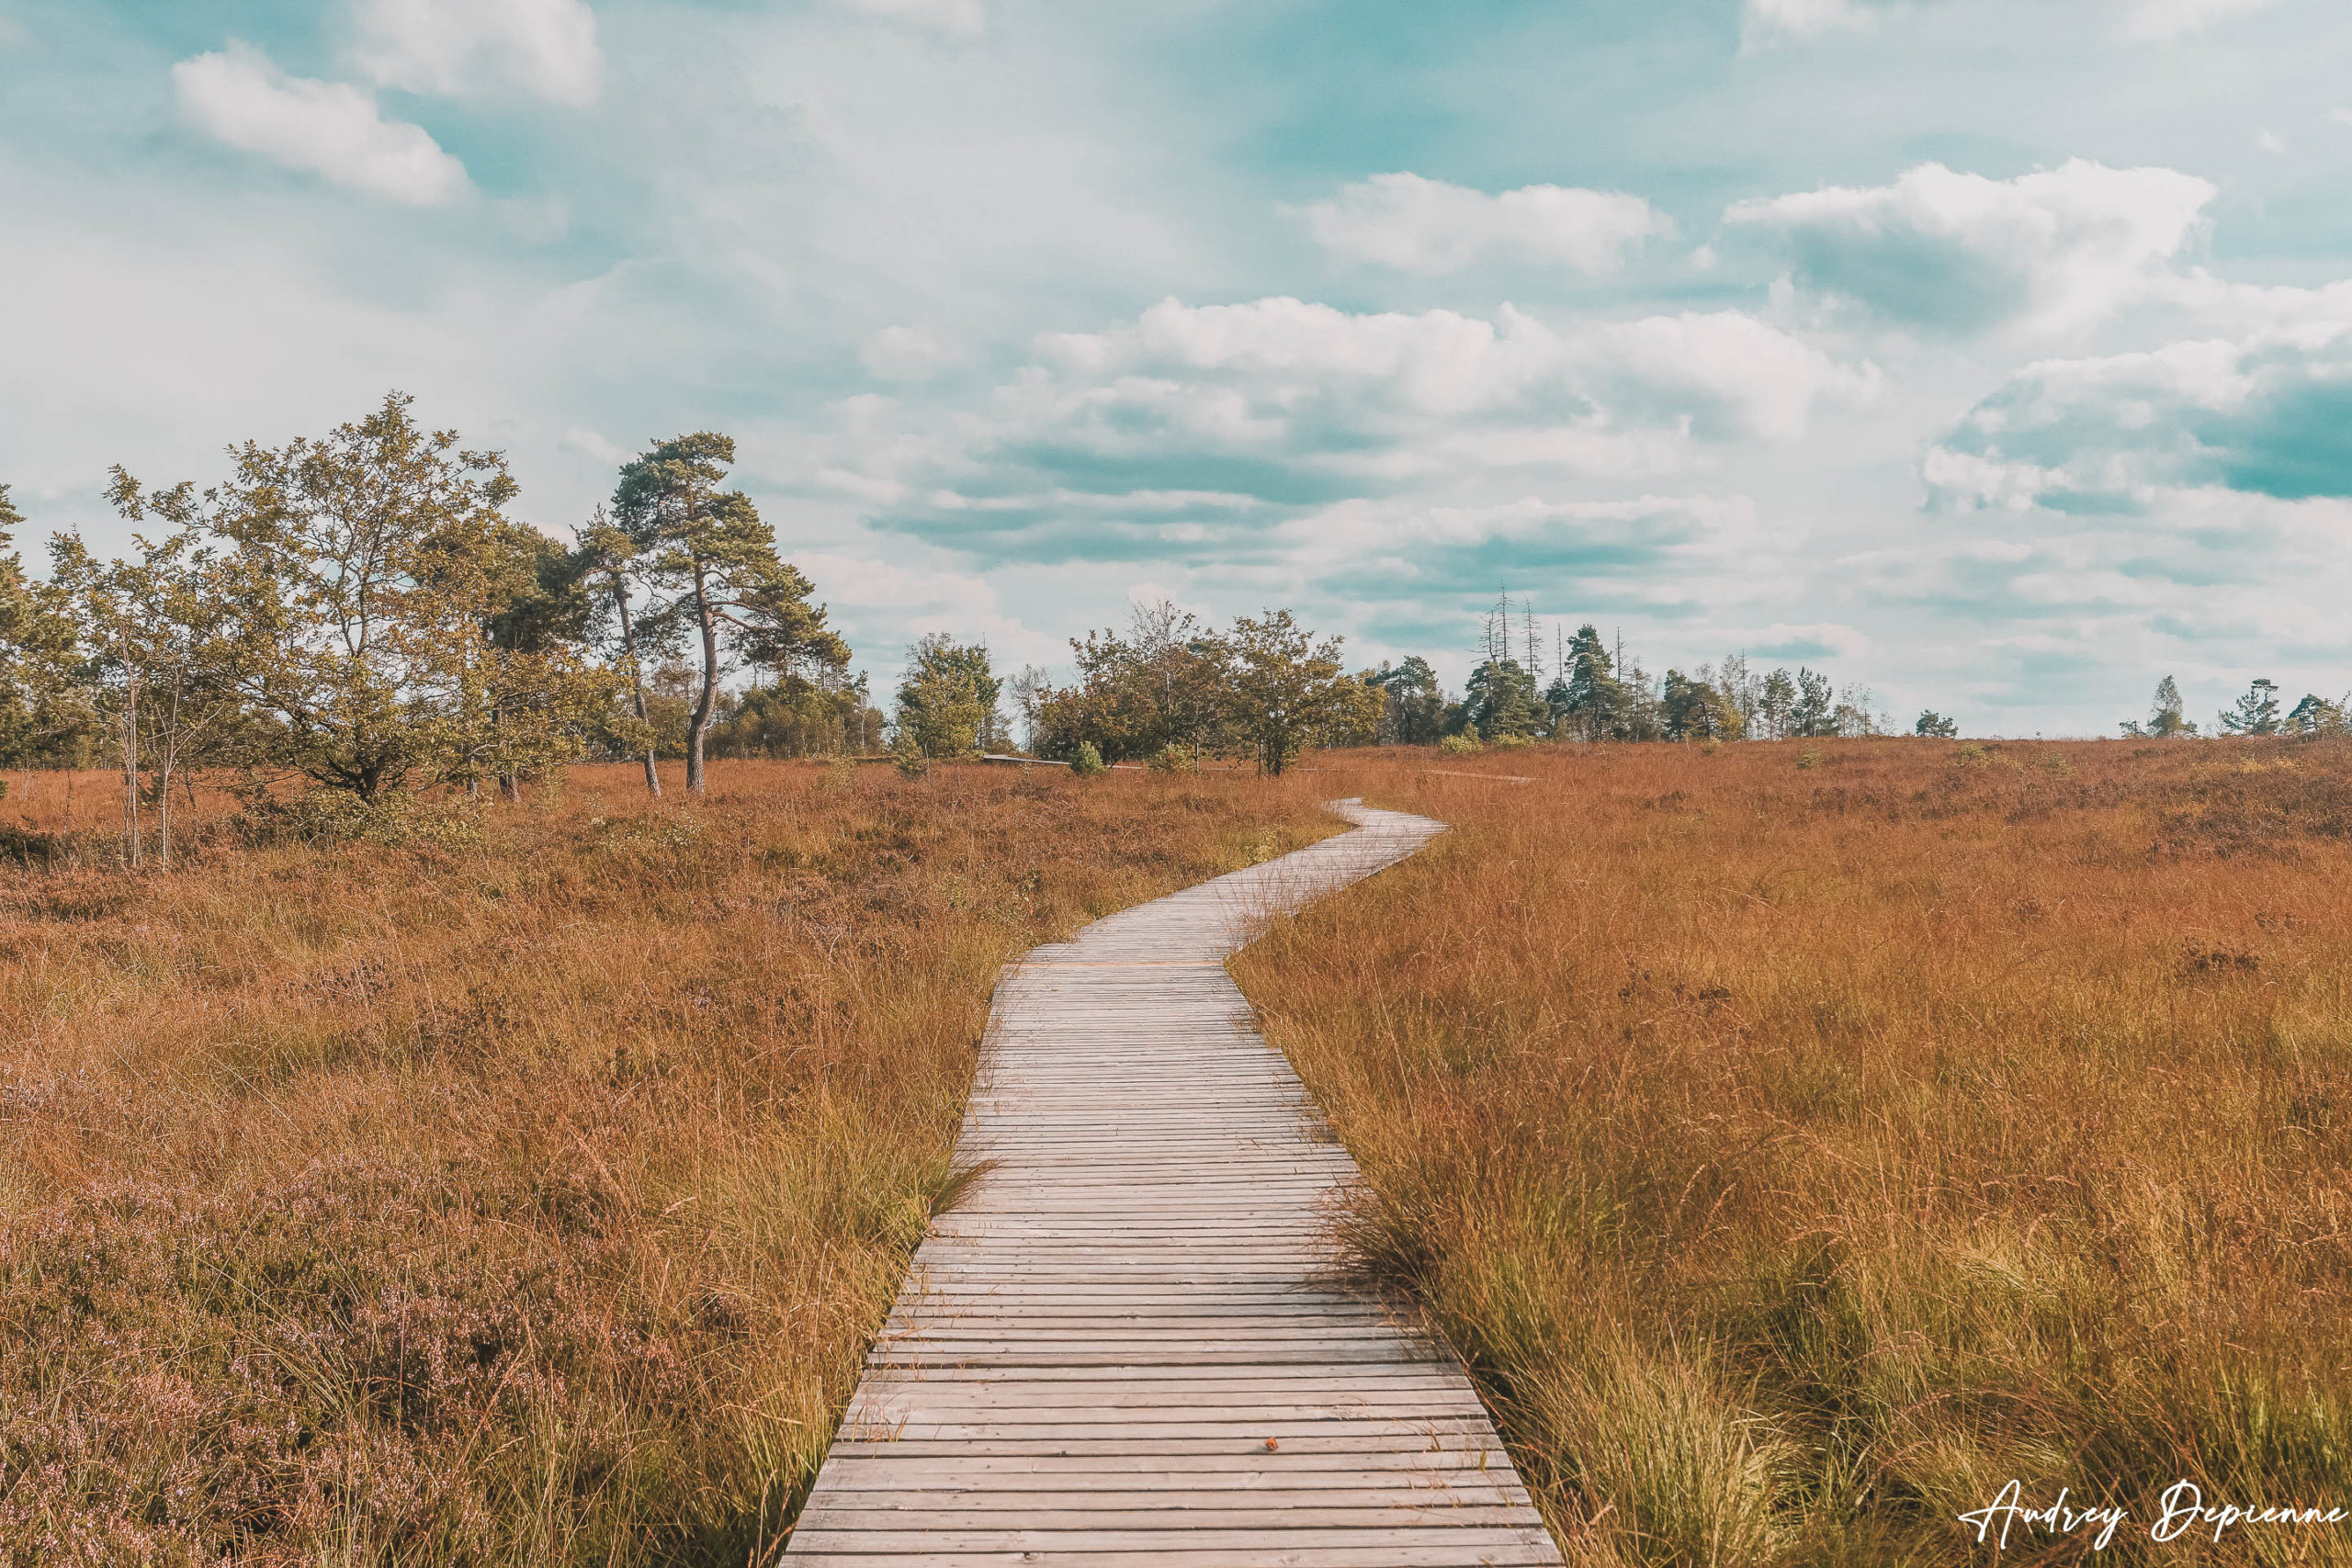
(2164, 719)
(1413, 708)
(1161, 684)
(2315, 715)
(947, 701)
(1695, 710)
(1500, 701)
(45, 718)
(1462, 745)
(716, 579)
(1086, 762)
(2256, 713)
(1933, 724)
(1285, 691)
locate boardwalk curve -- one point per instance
(1122, 1347)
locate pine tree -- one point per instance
(2256, 713)
(713, 562)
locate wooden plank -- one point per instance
(1128, 1343)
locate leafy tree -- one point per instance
(1933, 724)
(712, 565)
(2256, 713)
(1285, 691)
(155, 630)
(1694, 710)
(42, 716)
(359, 605)
(2164, 719)
(947, 701)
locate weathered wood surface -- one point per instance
(1124, 1346)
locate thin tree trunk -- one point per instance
(705, 704)
(637, 683)
(131, 770)
(163, 777)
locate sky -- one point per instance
(1994, 354)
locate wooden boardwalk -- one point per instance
(1123, 1346)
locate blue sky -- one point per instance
(1998, 354)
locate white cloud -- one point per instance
(240, 99)
(953, 19)
(547, 47)
(1426, 226)
(2269, 141)
(2057, 248)
(903, 354)
(1806, 16)
(2162, 20)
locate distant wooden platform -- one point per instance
(1123, 1346)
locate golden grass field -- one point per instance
(522, 1192)
(1801, 1139)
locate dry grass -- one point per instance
(1802, 1140)
(522, 1192)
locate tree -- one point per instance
(1588, 697)
(608, 559)
(1413, 711)
(42, 716)
(156, 628)
(947, 701)
(1815, 713)
(1777, 702)
(1935, 724)
(1694, 709)
(355, 599)
(1285, 691)
(2316, 716)
(713, 564)
(1030, 689)
(2256, 713)
(2164, 720)
(1500, 701)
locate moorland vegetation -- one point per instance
(501, 1183)
(1803, 1141)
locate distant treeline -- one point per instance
(2255, 713)
(358, 612)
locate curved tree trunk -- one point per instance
(707, 702)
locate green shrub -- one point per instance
(1088, 763)
(1460, 745)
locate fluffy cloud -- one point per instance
(1425, 226)
(547, 47)
(241, 100)
(2264, 415)
(1961, 253)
